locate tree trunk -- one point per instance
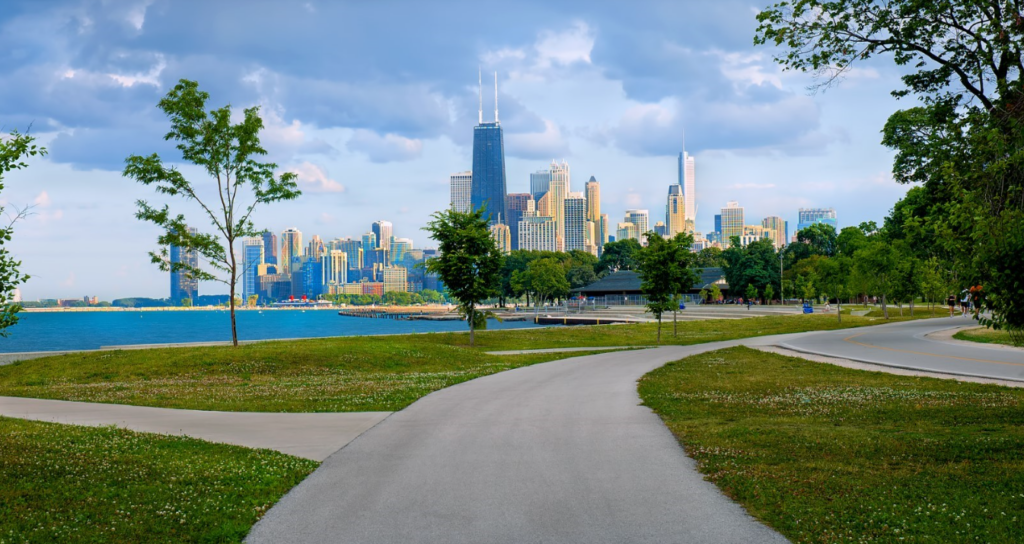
(234, 265)
(839, 308)
(911, 307)
(885, 309)
(675, 325)
(471, 315)
(659, 328)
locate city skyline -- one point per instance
(369, 144)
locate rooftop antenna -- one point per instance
(684, 141)
(480, 91)
(495, 97)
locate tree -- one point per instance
(709, 257)
(769, 292)
(546, 278)
(470, 262)
(663, 267)
(618, 255)
(757, 265)
(751, 294)
(835, 275)
(186, 303)
(14, 149)
(820, 238)
(228, 153)
(716, 292)
(876, 264)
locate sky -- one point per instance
(373, 105)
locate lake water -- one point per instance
(56, 331)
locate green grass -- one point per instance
(382, 373)
(65, 483)
(985, 336)
(828, 454)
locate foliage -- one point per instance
(751, 293)
(14, 149)
(716, 292)
(469, 263)
(756, 265)
(228, 153)
(709, 257)
(828, 454)
(618, 255)
(769, 293)
(820, 238)
(70, 483)
(545, 278)
(664, 270)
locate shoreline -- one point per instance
(225, 309)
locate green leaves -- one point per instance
(664, 270)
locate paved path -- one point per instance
(313, 436)
(907, 345)
(557, 452)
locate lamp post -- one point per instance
(782, 290)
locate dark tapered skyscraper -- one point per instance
(488, 188)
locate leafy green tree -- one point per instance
(228, 153)
(546, 278)
(580, 276)
(14, 149)
(253, 299)
(751, 293)
(470, 262)
(769, 292)
(835, 277)
(618, 255)
(849, 240)
(709, 257)
(757, 265)
(820, 239)
(877, 265)
(186, 303)
(716, 292)
(663, 267)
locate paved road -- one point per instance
(313, 436)
(906, 345)
(559, 452)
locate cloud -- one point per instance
(537, 145)
(387, 148)
(314, 179)
(564, 48)
(42, 200)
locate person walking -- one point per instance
(951, 301)
(965, 302)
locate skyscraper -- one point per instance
(626, 231)
(353, 252)
(592, 189)
(675, 211)
(383, 230)
(518, 203)
(488, 187)
(183, 285)
(641, 220)
(315, 248)
(269, 247)
(369, 244)
(252, 258)
(575, 214)
(557, 191)
(539, 182)
(399, 247)
(537, 232)
(776, 230)
(732, 221)
(291, 247)
(334, 267)
(688, 179)
(502, 235)
(810, 216)
(462, 185)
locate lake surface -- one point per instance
(57, 331)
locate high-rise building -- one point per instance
(183, 284)
(383, 231)
(602, 228)
(518, 203)
(675, 211)
(462, 185)
(269, 247)
(537, 232)
(316, 248)
(641, 220)
(502, 235)
(539, 183)
(544, 207)
(776, 229)
(626, 231)
(291, 247)
(395, 279)
(353, 252)
(488, 188)
(732, 221)
(369, 244)
(592, 190)
(810, 216)
(557, 191)
(252, 258)
(690, 191)
(575, 214)
(399, 247)
(660, 229)
(334, 267)
(718, 223)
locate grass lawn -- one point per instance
(985, 336)
(345, 374)
(65, 483)
(828, 454)
(341, 374)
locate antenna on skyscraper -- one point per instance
(684, 141)
(480, 91)
(495, 97)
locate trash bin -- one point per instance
(808, 309)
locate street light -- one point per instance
(782, 290)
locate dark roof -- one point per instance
(627, 281)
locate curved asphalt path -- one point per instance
(906, 345)
(560, 452)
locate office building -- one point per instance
(575, 215)
(518, 203)
(776, 230)
(334, 267)
(660, 229)
(383, 230)
(626, 231)
(602, 229)
(399, 247)
(394, 279)
(488, 187)
(675, 211)
(557, 191)
(718, 223)
(291, 247)
(183, 284)
(687, 175)
(539, 183)
(316, 248)
(369, 244)
(641, 221)
(353, 252)
(312, 279)
(732, 221)
(269, 247)
(502, 235)
(461, 186)
(252, 258)
(537, 232)
(592, 190)
(810, 216)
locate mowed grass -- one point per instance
(985, 336)
(828, 454)
(65, 483)
(382, 373)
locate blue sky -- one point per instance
(373, 104)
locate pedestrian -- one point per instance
(951, 301)
(965, 302)
(828, 305)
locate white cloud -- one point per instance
(536, 145)
(564, 48)
(314, 179)
(42, 200)
(151, 77)
(137, 15)
(387, 148)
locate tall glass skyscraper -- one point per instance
(252, 258)
(488, 187)
(183, 285)
(269, 247)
